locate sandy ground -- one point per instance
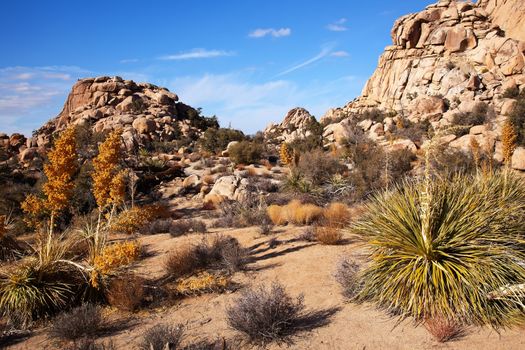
(303, 268)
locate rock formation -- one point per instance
(443, 61)
(295, 126)
(146, 113)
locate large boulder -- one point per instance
(518, 159)
(230, 187)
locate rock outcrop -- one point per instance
(296, 125)
(146, 113)
(444, 61)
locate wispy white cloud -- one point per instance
(129, 60)
(338, 26)
(250, 106)
(196, 54)
(327, 50)
(31, 95)
(340, 54)
(276, 33)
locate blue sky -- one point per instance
(248, 62)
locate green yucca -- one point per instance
(440, 248)
(40, 285)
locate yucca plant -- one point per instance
(40, 285)
(440, 249)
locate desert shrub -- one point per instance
(308, 235)
(216, 140)
(447, 161)
(203, 282)
(181, 262)
(275, 212)
(266, 227)
(317, 166)
(444, 330)
(113, 257)
(337, 214)
(10, 248)
(512, 92)
(132, 220)
(478, 115)
(517, 118)
(347, 277)
(222, 253)
(246, 152)
(265, 315)
(416, 132)
(41, 286)
(373, 114)
(157, 226)
(313, 141)
(126, 292)
(162, 336)
(431, 242)
(83, 321)
(181, 227)
(328, 235)
(245, 213)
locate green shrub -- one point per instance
(216, 140)
(517, 118)
(246, 152)
(441, 249)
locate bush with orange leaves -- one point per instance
(58, 189)
(132, 220)
(113, 257)
(109, 185)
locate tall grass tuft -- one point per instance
(440, 248)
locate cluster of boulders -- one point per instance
(145, 112)
(443, 62)
(295, 126)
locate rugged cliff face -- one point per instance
(448, 59)
(508, 14)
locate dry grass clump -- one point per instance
(83, 321)
(337, 214)
(444, 330)
(275, 212)
(329, 235)
(162, 337)
(203, 282)
(294, 213)
(89, 344)
(181, 262)
(126, 292)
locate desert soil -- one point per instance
(302, 267)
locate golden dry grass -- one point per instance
(275, 213)
(329, 235)
(203, 282)
(307, 214)
(337, 214)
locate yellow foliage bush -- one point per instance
(113, 257)
(306, 214)
(337, 214)
(131, 220)
(201, 283)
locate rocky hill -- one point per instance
(446, 61)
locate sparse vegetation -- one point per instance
(347, 277)
(246, 152)
(80, 322)
(162, 336)
(444, 330)
(265, 315)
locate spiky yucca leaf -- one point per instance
(473, 245)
